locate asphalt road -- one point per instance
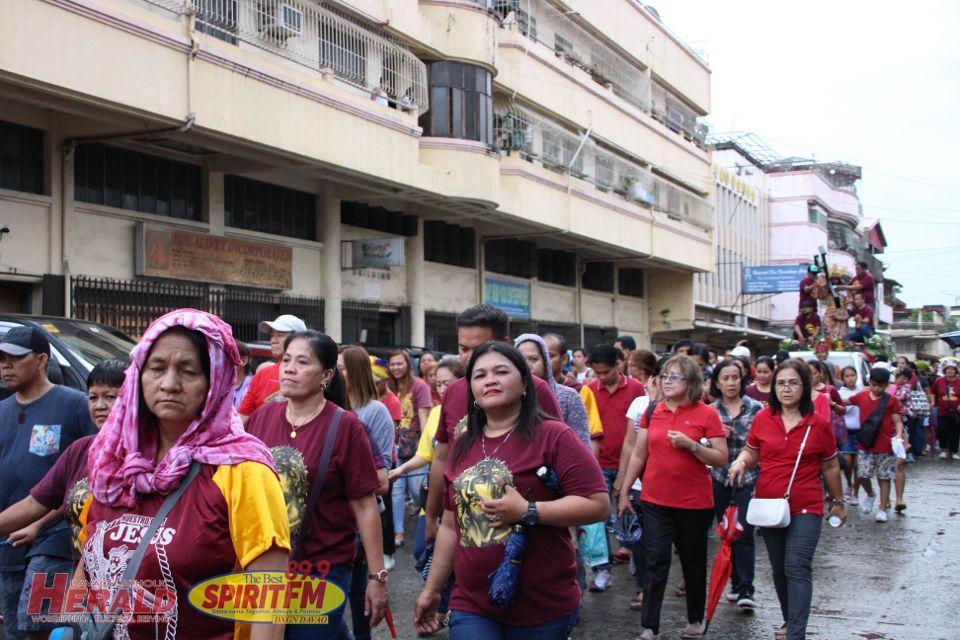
(894, 581)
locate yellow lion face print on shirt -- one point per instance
(486, 480)
(293, 480)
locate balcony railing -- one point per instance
(547, 143)
(542, 22)
(317, 38)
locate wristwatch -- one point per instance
(380, 576)
(532, 516)
(838, 501)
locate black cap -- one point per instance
(20, 341)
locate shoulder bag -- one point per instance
(318, 481)
(91, 628)
(774, 513)
(870, 428)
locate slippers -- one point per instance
(901, 507)
(637, 603)
(781, 634)
(621, 556)
(681, 590)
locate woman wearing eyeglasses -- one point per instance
(673, 448)
(776, 437)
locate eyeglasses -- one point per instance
(671, 378)
(788, 384)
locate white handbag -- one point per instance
(774, 513)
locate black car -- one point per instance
(76, 346)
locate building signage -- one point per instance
(511, 297)
(376, 253)
(166, 252)
(773, 279)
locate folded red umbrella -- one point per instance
(389, 618)
(729, 529)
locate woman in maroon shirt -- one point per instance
(673, 447)
(490, 485)
(760, 388)
(296, 430)
(944, 396)
(776, 437)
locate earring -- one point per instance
(476, 405)
(323, 387)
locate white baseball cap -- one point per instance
(284, 324)
(736, 352)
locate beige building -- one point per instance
(374, 166)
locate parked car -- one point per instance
(843, 359)
(76, 346)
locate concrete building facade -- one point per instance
(374, 166)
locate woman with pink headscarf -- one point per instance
(176, 407)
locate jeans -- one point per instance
(791, 552)
(407, 483)
(917, 437)
(336, 626)
(609, 476)
(469, 626)
(743, 553)
(864, 333)
(664, 527)
(15, 588)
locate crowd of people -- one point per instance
(529, 469)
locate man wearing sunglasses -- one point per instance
(37, 423)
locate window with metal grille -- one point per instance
(449, 244)
(510, 256)
(269, 208)
(598, 276)
(558, 267)
(21, 158)
(217, 18)
(461, 102)
(630, 282)
(343, 52)
(137, 181)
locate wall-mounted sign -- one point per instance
(166, 252)
(773, 279)
(382, 253)
(512, 297)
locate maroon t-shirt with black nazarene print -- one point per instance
(351, 475)
(66, 484)
(227, 518)
(548, 579)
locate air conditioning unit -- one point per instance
(640, 193)
(281, 20)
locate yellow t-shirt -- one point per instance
(425, 447)
(593, 413)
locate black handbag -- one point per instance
(870, 429)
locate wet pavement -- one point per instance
(898, 580)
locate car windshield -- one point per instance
(90, 342)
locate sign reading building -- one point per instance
(511, 297)
(167, 252)
(376, 253)
(777, 279)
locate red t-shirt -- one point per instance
(778, 453)
(865, 313)
(809, 324)
(548, 580)
(351, 475)
(392, 403)
(228, 517)
(613, 409)
(66, 484)
(946, 395)
(572, 383)
(453, 409)
(867, 404)
(674, 477)
(869, 285)
(265, 387)
(821, 405)
(804, 295)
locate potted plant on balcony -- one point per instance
(626, 184)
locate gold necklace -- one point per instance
(316, 412)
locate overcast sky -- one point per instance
(874, 83)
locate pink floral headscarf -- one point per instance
(121, 461)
